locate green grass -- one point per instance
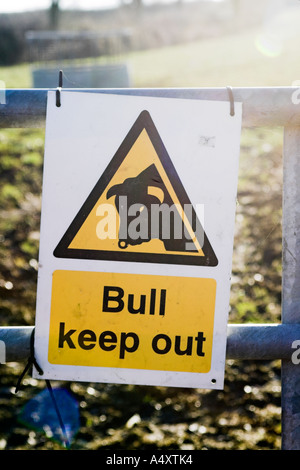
(17, 76)
(233, 60)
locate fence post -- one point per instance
(290, 373)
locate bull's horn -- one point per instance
(114, 190)
(157, 192)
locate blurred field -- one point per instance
(233, 60)
(246, 415)
(262, 55)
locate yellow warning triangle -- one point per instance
(138, 209)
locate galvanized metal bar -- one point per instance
(291, 285)
(267, 106)
(261, 341)
(16, 342)
(245, 342)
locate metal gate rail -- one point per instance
(262, 107)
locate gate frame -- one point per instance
(262, 107)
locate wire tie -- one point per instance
(231, 99)
(58, 89)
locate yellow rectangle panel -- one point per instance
(148, 322)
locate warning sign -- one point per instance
(139, 209)
(136, 239)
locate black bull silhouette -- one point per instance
(146, 191)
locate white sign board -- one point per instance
(137, 227)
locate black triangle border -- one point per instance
(144, 121)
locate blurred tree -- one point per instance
(11, 47)
(137, 3)
(54, 14)
(134, 4)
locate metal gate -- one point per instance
(262, 107)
